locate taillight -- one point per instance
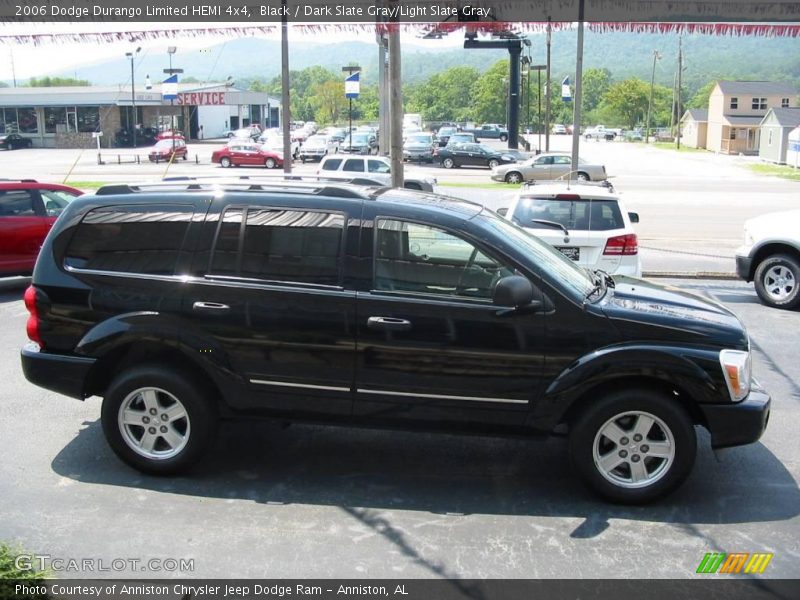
(624, 245)
(32, 327)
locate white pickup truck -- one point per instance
(600, 132)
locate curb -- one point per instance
(693, 275)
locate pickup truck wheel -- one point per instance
(633, 446)
(777, 281)
(158, 420)
(503, 137)
(448, 163)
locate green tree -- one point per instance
(490, 94)
(329, 103)
(366, 107)
(444, 96)
(700, 99)
(595, 84)
(57, 82)
(628, 100)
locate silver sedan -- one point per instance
(548, 166)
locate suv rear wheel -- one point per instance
(633, 446)
(158, 420)
(777, 281)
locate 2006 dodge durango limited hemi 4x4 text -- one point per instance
(185, 303)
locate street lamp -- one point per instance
(656, 56)
(170, 51)
(131, 56)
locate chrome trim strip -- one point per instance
(332, 388)
(179, 278)
(443, 396)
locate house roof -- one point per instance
(768, 88)
(697, 114)
(785, 117)
(746, 121)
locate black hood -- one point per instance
(643, 310)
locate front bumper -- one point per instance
(56, 372)
(495, 176)
(743, 265)
(738, 424)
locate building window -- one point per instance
(88, 118)
(53, 117)
(759, 104)
(733, 133)
(784, 103)
(734, 103)
(28, 120)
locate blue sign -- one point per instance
(566, 93)
(169, 89)
(352, 85)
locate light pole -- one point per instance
(656, 56)
(170, 51)
(538, 69)
(131, 56)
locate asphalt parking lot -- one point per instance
(692, 204)
(309, 501)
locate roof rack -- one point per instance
(601, 184)
(321, 186)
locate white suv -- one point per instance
(376, 168)
(586, 221)
(770, 257)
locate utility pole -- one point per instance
(547, 93)
(395, 103)
(576, 114)
(656, 56)
(132, 56)
(383, 96)
(13, 71)
(680, 75)
(285, 99)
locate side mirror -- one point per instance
(634, 217)
(503, 211)
(513, 291)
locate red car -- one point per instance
(169, 149)
(239, 154)
(28, 210)
(169, 134)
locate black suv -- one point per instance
(186, 302)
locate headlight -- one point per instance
(507, 157)
(736, 368)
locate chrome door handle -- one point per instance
(210, 306)
(388, 324)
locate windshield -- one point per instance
(447, 131)
(316, 140)
(359, 139)
(420, 139)
(572, 213)
(540, 254)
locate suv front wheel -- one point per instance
(633, 446)
(158, 420)
(777, 281)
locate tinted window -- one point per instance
(377, 166)
(279, 245)
(131, 239)
(16, 203)
(354, 164)
(597, 215)
(562, 160)
(332, 164)
(421, 259)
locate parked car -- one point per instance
(472, 155)
(634, 135)
(548, 166)
(377, 307)
(770, 257)
(461, 138)
(246, 133)
(559, 129)
(14, 141)
(337, 134)
(599, 132)
(275, 143)
(586, 222)
(317, 146)
(490, 131)
(419, 147)
(170, 149)
(244, 154)
(375, 168)
(359, 143)
(28, 210)
(444, 133)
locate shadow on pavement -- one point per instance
(362, 470)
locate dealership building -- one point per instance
(66, 117)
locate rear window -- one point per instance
(130, 239)
(332, 164)
(595, 215)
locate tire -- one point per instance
(448, 163)
(225, 162)
(189, 419)
(581, 176)
(185, 157)
(494, 163)
(777, 281)
(513, 177)
(504, 138)
(271, 164)
(670, 427)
